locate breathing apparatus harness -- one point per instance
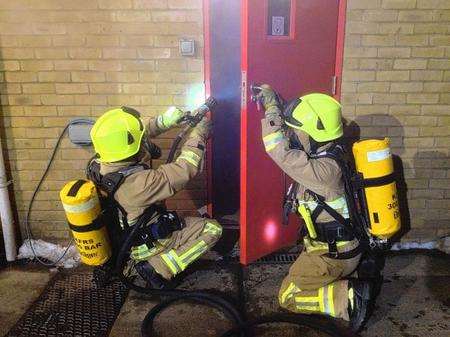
(354, 184)
(340, 229)
(161, 223)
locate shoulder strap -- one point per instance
(110, 182)
(322, 205)
(336, 152)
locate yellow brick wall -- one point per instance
(61, 59)
(396, 82)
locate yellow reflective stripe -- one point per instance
(351, 298)
(212, 228)
(306, 215)
(331, 300)
(272, 140)
(142, 252)
(177, 263)
(307, 303)
(193, 253)
(307, 299)
(308, 306)
(314, 246)
(189, 160)
(171, 260)
(289, 292)
(81, 208)
(322, 297)
(191, 157)
(339, 204)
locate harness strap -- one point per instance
(373, 182)
(333, 230)
(93, 226)
(76, 187)
(346, 255)
(322, 205)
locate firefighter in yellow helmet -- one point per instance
(319, 280)
(122, 143)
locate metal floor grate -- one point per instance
(277, 258)
(72, 305)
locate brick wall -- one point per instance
(62, 59)
(396, 82)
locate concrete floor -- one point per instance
(19, 287)
(414, 300)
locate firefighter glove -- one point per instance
(269, 99)
(170, 118)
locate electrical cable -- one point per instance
(36, 191)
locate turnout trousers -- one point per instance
(171, 256)
(315, 285)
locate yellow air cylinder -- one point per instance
(373, 160)
(82, 207)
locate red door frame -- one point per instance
(207, 73)
(207, 81)
(340, 47)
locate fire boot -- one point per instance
(149, 274)
(359, 299)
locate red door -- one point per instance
(290, 44)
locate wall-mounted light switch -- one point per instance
(187, 47)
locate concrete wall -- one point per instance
(396, 83)
(61, 59)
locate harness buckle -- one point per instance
(332, 246)
(340, 232)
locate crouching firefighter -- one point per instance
(167, 244)
(297, 139)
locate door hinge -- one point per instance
(333, 84)
(243, 89)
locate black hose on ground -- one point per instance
(324, 326)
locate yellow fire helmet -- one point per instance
(117, 134)
(318, 115)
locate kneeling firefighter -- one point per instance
(295, 139)
(122, 170)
